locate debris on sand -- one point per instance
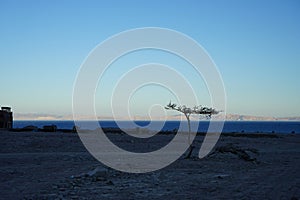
(98, 171)
(244, 154)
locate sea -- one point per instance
(229, 126)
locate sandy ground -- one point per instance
(57, 166)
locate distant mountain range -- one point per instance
(229, 117)
(237, 117)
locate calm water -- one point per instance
(229, 126)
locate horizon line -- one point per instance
(227, 117)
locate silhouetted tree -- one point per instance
(198, 110)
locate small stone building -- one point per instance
(6, 118)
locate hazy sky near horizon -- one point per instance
(255, 45)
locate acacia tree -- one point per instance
(199, 110)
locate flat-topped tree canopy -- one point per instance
(199, 110)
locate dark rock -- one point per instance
(50, 128)
(29, 128)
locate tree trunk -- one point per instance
(189, 154)
(189, 138)
(189, 124)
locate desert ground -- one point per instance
(39, 165)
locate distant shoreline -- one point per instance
(120, 132)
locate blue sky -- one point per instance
(255, 45)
